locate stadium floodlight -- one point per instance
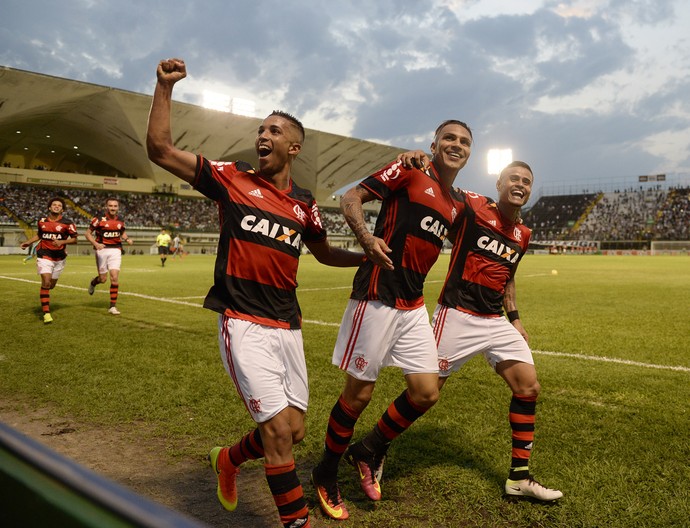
(497, 159)
(216, 101)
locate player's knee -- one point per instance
(298, 435)
(529, 389)
(426, 398)
(357, 398)
(278, 434)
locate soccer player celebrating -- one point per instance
(54, 233)
(265, 218)
(386, 322)
(106, 233)
(469, 320)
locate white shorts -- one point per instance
(461, 336)
(108, 259)
(266, 364)
(373, 335)
(53, 267)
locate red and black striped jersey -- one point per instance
(261, 234)
(108, 231)
(51, 230)
(486, 252)
(416, 214)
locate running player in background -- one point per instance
(266, 217)
(54, 233)
(106, 234)
(177, 247)
(469, 319)
(386, 322)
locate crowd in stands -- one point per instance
(628, 215)
(632, 214)
(29, 202)
(552, 217)
(673, 221)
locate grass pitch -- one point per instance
(610, 336)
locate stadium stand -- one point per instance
(673, 220)
(630, 218)
(630, 215)
(552, 217)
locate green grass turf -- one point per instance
(613, 435)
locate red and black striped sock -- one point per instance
(522, 416)
(287, 493)
(400, 415)
(45, 300)
(113, 293)
(250, 447)
(341, 427)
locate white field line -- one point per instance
(611, 360)
(336, 325)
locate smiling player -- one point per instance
(265, 217)
(106, 233)
(469, 318)
(54, 233)
(385, 322)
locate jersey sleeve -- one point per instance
(314, 231)
(387, 180)
(212, 177)
(71, 228)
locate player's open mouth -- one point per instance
(264, 150)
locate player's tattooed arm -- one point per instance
(351, 205)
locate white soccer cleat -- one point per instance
(531, 488)
(113, 310)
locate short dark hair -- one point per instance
(517, 163)
(292, 120)
(111, 199)
(453, 122)
(56, 199)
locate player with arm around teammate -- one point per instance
(55, 231)
(386, 322)
(266, 217)
(106, 233)
(469, 319)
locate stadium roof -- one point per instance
(50, 118)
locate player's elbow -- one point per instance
(156, 151)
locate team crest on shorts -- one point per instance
(443, 365)
(361, 363)
(254, 405)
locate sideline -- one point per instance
(337, 325)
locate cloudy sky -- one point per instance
(584, 91)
